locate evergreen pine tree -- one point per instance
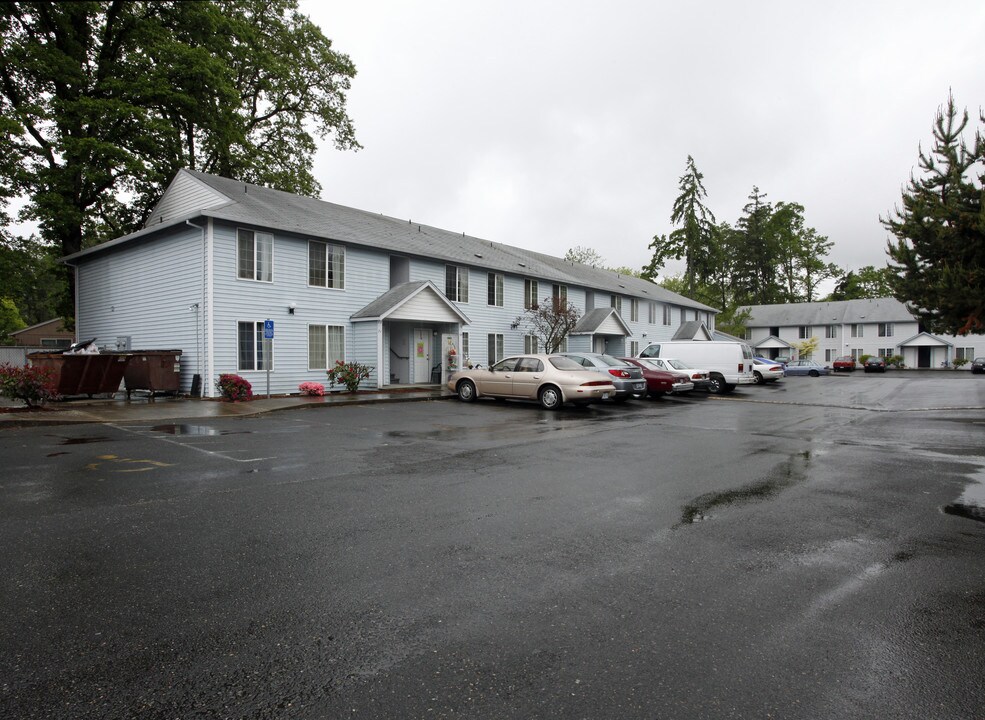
(939, 255)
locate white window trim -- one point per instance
(272, 243)
(326, 246)
(326, 326)
(255, 323)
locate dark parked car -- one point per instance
(875, 363)
(845, 362)
(978, 365)
(660, 382)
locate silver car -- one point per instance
(627, 378)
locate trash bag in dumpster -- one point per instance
(86, 373)
(153, 370)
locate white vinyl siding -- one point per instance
(326, 345)
(326, 265)
(255, 255)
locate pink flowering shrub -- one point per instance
(312, 388)
(234, 388)
(33, 385)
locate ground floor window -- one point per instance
(465, 346)
(829, 355)
(965, 353)
(530, 344)
(886, 352)
(857, 353)
(494, 350)
(634, 348)
(250, 346)
(326, 345)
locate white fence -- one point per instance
(18, 355)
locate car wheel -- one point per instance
(466, 391)
(716, 384)
(759, 378)
(550, 398)
(814, 373)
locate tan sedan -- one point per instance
(549, 379)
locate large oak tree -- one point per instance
(102, 103)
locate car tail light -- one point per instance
(595, 383)
(619, 373)
(740, 367)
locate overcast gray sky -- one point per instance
(550, 125)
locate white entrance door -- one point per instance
(421, 350)
(599, 343)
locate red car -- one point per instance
(660, 382)
(844, 363)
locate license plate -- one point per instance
(605, 396)
(639, 386)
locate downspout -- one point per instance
(201, 317)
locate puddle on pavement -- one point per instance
(172, 429)
(971, 504)
(787, 474)
(83, 440)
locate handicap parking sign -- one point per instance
(268, 329)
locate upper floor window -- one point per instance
(667, 315)
(856, 330)
(530, 292)
(559, 293)
(495, 289)
(830, 331)
(804, 331)
(652, 309)
(634, 310)
(775, 330)
(457, 283)
(254, 255)
(885, 329)
(616, 302)
(326, 265)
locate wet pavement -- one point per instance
(142, 408)
(786, 552)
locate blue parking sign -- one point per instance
(268, 329)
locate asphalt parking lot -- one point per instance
(791, 551)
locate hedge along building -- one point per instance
(218, 257)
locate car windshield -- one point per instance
(563, 363)
(678, 364)
(650, 364)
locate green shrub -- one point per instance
(234, 388)
(960, 362)
(349, 374)
(33, 385)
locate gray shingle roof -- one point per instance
(275, 209)
(828, 313)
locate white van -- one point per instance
(728, 363)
